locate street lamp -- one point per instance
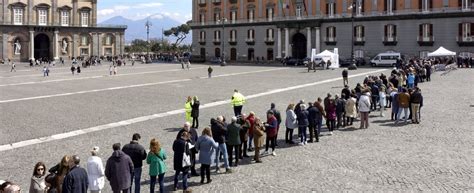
(148, 24)
(353, 8)
(223, 40)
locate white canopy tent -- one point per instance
(441, 52)
(326, 56)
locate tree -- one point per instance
(180, 32)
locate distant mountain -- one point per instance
(136, 28)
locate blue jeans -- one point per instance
(302, 130)
(137, 175)
(184, 176)
(319, 124)
(223, 150)
(161, 180)
(250, 141)
(405, 111)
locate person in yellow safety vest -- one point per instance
(237, 102)
(188, 109)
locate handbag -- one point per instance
(186, 156)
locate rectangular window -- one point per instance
(85, 19)
(331, 34)
(331, 9)
(17, 16)
(299, 11)
(84, 51)
(108, 40)
(217, 36)
(65, 18)
(233, 16)
(217, 17)
(202, 19)
(202, 36)
(466, 4)
(84, 41)
(108, 51)
(42, 17)
(270, 14)
(250, 15)
(270, 34)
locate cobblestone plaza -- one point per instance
(45, 118)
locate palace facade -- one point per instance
(269, 29)
(36, 29)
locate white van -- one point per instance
(385, 59)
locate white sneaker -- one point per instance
(305, 143)
(274, 154)
(330, 133)
(265, 153)
(300, 144)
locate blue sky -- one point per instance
(179, 10)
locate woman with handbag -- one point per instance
(58, 173)
(156, 159)
(38, 183)
(258, 132)
(182, 160)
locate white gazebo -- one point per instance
(441, 52)
(326, 56)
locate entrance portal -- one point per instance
(42, 46)
(233, 54)
(299, 46)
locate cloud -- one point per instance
(147, 5)
(157, 16)
(105, 12)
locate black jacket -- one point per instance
(179, 147)
(118, 170)
(314, 115)
(136, 152)
(76, 181)
(340, 105)
(195, 109)
(219, 131)
(416, 98)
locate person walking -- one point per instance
(156, 159)
(73, 69)
(258, 133)
(237, 101)
(13, 67)
(403, 105)
(111, 70)
(303, 123)
(233, 140)
(78, 70)
(76, 180)
(331, 116)
(291, 123)
(345, 75)
(119, 170)
(364, 109)
(38, 183)
(271, 128)
(209, 72)
(219, 132)
(416, 98)
(188, 109)
(115, 70)
(137, 153)
(206, 147)
(351, 109)
(45, 71)
(182, 160)
(95, 171)
(195, 112)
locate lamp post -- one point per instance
(147, 25)
(223, 40)
(353, 9)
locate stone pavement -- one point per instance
(435, 155)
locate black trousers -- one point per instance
(332, 125)
(271, 140)
(193, 163)
(289, 135)
(243, 149)
(341, 120)
(205, 170)
(230, 152)
(237, 110)
(195, 122)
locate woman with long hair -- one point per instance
(206, 147)
(38, 183)
(156, 159)
(60, 171)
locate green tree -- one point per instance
(180, 32)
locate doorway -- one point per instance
(250, 54)
(42, 47)
(270, 54)
(233, 54)
(299, 46)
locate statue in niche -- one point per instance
(17, 47)
(64, 46)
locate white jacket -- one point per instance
(95, 173)
(364, 103)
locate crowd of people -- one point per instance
(231, 141)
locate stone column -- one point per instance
(30, 12)
(308, 42)
(318, 40)
(53, 14)
(56, 45)
(122, 43)
(117, 44)
(5, 46)
(32, 45)
(287, 43)
(99, 44)
(278, 42)
(75, 20)
(75, 43)
(94, 13)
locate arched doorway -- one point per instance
(233, 54)
(299, 46)
(270, 54)
(42, 46)
(250, 54)
(217, 53)
(203, 53)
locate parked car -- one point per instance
(345, 62)
(215, 60)
(385, 59)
